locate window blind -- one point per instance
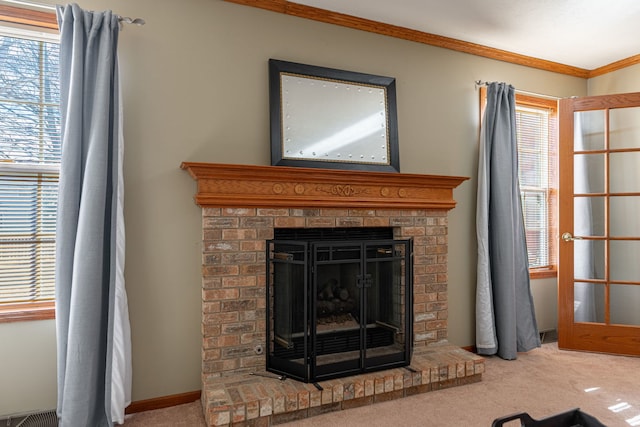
(533, 131)
(29, 165)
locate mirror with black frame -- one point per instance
(328, 118)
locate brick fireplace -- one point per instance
(242, 205)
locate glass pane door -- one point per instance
(599, 280)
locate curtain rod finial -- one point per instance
(136, 21)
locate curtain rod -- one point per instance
(29, 3)
(479, 83)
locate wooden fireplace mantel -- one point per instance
(224, 185)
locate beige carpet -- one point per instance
(543, 382)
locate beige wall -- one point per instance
(195, 89)
(621, 81)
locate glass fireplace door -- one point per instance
(388, 306)
(337, 315)
(287, 309)
(362, 317)
(338, 307)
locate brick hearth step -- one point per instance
(256, 401)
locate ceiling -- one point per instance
(581, 33)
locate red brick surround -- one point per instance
(234, 275)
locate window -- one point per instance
(536, 127)
(536, 132)
(29, 167)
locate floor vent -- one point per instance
(40, 419)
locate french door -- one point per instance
(599, 220)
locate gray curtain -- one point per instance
(91, 314)
(505, 317)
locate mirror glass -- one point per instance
(322, 117)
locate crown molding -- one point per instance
(614, 66)
(41, 19)
(349, 21)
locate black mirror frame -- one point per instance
(277, 67)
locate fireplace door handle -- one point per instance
(363, 282)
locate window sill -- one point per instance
(543, 273)
(27, 311)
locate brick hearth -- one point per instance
(242, 205)
(246, 400)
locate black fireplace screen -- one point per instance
(338, 307)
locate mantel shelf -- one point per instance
(224, 185)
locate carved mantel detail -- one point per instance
(343, 190)
(222, 185)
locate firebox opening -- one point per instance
(339, 302)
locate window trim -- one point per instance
(30, 17)
(27, 311)
(548, 271)
(31, 310)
